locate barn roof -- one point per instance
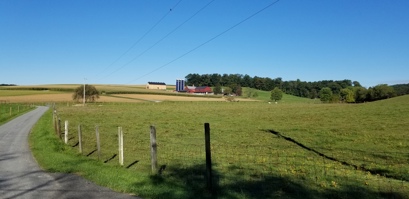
(156, 83)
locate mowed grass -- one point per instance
(324, 151)
(265, 96)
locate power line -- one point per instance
(161, 39)
(209, 40)
(140, 39)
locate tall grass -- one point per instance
(260, 150)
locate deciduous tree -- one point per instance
(276, 94)
(347, 95)
(91, 93)
(326, 94)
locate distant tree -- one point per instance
(347, 95)
(91, 93)
(215, 79)
(258, 83)
(360, 94)
(217, 89)
(335, 87)
(370, 94)
(193, 79)
(227, 91)
(246, 81)
(335, 98)
(276, 94)
(356, 84)
(326, 94)
(383, 91)
(401, 89)
(238, 90)
(313, 94)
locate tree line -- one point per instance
(327, 90)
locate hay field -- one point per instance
(63, 93)
(43, 97)
(59, 97)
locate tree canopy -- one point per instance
(276, 94)
(91, 93)
(326, 94)
(342, 90)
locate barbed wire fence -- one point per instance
(229, 166)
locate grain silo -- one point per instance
(180, 85)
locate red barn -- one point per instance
(200, 89)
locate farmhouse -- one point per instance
(156, 85)
(198, 90)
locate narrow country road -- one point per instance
(21, 177)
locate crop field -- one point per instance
(259, 150)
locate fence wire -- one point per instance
(251, 167)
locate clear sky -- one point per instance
(136, 41)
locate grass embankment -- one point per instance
(9, 111)
(328, 150)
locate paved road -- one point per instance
(20, 176)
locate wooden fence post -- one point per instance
(59, 128)
(79, 139)
(209, 176)
(55, 121)
(121, 146)
(66, 132)
(154, 160)
(11, 110)
(98, 143)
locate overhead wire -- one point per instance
(207, 41)
(161, 39)
(140, 39)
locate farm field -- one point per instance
(121, 93)
(259, 150)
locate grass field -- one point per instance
(300, 149)
(9, 111)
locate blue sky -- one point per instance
(136, 41)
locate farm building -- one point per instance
(197, 90)
(156, 85)
(180, 85)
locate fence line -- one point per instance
(318, 169)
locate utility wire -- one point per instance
(209, 40)
(140, 39)
(161, 39)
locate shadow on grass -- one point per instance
(381, 172)
(90, 153)
(133, 163)
(189, 182)
(111, 158)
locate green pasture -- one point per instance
(301, 149)
(9, 111)
(265, 96)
